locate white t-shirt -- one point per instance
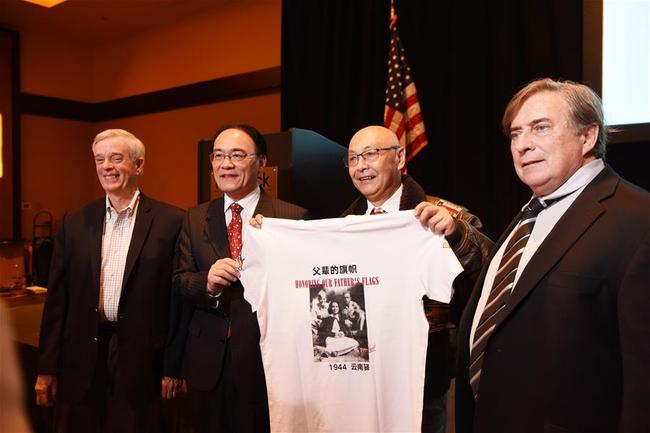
(336, 362)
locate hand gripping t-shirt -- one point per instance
(343, 331)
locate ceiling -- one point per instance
(91, 22)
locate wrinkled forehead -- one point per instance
(542, 105)
(111, 145)
(361, 146)
(372, 137)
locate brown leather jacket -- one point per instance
(471, 247)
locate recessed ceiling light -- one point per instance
(46, 3)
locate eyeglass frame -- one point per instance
(364, 155)
(230, 156)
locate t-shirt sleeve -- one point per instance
(441, 268)
(254, 266)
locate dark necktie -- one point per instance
(501, 289)
(377, 211)
(234, 231)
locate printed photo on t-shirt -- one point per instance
(339, 327)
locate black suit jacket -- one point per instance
(68, 339)
(204, 240)
(573, 351)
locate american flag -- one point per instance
(402, 113)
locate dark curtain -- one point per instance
(468, 59)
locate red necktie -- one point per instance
(234, 231)
(377, 211)
(234, 237)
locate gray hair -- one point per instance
(136, 147)
(585, 108)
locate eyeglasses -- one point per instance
(369, 155)
(236, 156)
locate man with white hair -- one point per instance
(106, 321)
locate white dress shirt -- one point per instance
(116, 239)
(248, 204)
(390, 205)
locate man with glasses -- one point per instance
(223, 360)
(375, 161)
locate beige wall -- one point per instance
(232, 38)
(58, 173)
(50, 67)
(237, 37)
(57, 167)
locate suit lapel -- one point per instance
(214, 228)
(470, 310)
(576, 220)
(143, 220)
(96, 229)
(264, 206)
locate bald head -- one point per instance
(376, 136)
(376, 170)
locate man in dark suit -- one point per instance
(375, 161)
(106, 320)
(556, 339)
(223, 360)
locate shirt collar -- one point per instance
(390, 205)
(130, 208)
(578, 180)
(252, 197)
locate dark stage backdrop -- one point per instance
(468, 58)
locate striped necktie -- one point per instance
(502, 288)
